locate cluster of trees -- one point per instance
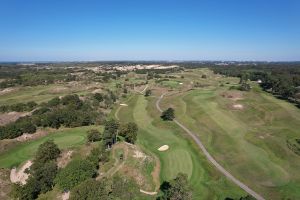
(114, 129)
(42, 173)
(19, 107)
(69, 111)
(17, 128)
(106, 189)
(105, 100)
(168, 115)
(82, 169)
(177, 189)
(281, 79)
(32, 76)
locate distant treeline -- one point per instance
(282, 80)
(30, 76)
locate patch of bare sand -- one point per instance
(7, 90)
(65, 195)
(6, 118)
(238, 106)
(64, 159)
(97, 91)
(163, 148)
(20, 176)
(37, 134)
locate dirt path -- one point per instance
(211, 159)
(118, 164)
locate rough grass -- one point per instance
(182, 155)
(41, 93)
(67, 138)
(250, 143)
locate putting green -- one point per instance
(68, 138)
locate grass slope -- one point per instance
(182, 155)
(250, 143)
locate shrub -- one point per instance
(74, 173)
(168, 115)
(93, 135)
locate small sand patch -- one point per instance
(64, 159)
(7, 90)
(123, 104)
(180, 83)
(20, 175)
(149, 193)
(163, 148)
(238, 106)
(138, 154)
(65, 195)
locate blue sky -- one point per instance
(66, 30)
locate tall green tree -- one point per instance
(168, 115)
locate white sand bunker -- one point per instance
(65, 195)
(123, 104)
(180, 83)
(163, 148)
(20, 175)
(238, 106)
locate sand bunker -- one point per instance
(123, 104)
(20, 175)
(238, 106)
(180, 83)
(65, 195)
(163, 148)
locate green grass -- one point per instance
(40, 93)
(182, 155)
(250, 143)
(171, 84)
(67, 138)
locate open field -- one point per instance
(66, 138)
(249, 142)
(182, 155)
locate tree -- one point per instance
(148, 93)
(98, 97)
(54, 102)
(74, 173)
(177, 189)
(46, 152)
(93, 135)
(45, 176)
(168, 115)
(91, 190)
(129, 132)
(25, 125)
(245, 86)
(110, 132)
(72, 100)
